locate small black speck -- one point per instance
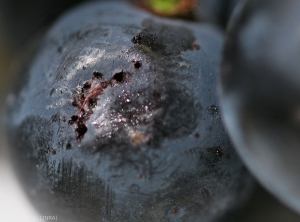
(74, 102)
(119, 76)
(213, 109)
(196, 46)
(80, 131)
(196, 135)
(68, 146)
(137, 39)
(52, 91)
(137, 64)
(87, 85)
(175, 210)
(74, 118)
(59, 49)
(97, 74)
(93, 102)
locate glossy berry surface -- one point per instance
(116, 118)
(260, 93)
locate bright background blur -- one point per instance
(14, 206)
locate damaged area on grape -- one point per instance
(87, 96)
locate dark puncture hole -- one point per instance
(97, 74)
(119, 77)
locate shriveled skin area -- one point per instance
(117, 119)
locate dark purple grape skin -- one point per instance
(260, 93)
(116, 118)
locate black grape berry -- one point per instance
(116, 118)
(261, 91)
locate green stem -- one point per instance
(163, 6)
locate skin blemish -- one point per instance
(118, 77)
(80, 130)
(68, 146)
(140, 176)
(137, 139)
(175, 211)
(219, 152)
(74, 102)
(137, 39)
(93, 102)
(87, 85)
(97, 75)
(196, 135)
(87, 98)
(73, 120)
(104, 84)
(196, 46)
(137, 64)
(213, 109)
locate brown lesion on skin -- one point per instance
(54, 151)
(196, 46)
(138, 138)
(140, 176)
(175, 211)
(197, 135)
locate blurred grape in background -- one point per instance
(20, 22)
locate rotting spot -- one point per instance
(118, 77)
(175, 211)
(74, 102)
(87, 97)
(137, 39)
(137, 64)
(196, 135)
(68, 146)
(87, 85)
(97, 75)
(73, 119)
(93, 102)
(81, 129)
(140, 176)
(138, 139)
(196, 46)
